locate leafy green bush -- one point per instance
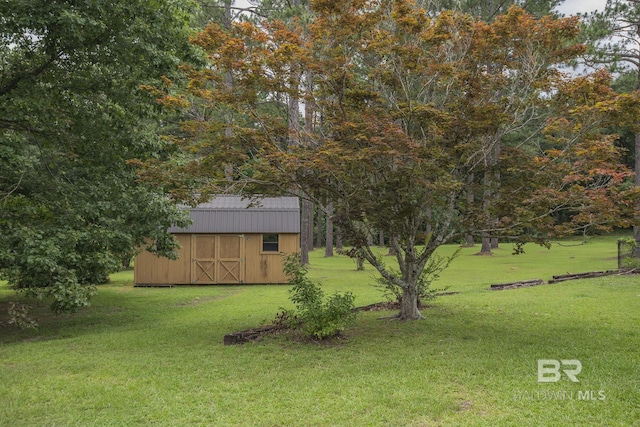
(319, 317)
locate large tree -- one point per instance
(411, 106)
(73, 111)
(613, 38)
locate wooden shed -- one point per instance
(231, 240)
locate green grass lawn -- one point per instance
(144, 356)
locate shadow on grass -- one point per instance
(113, 308)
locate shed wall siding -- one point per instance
(255, 267)
(149, 268)
(268, 268)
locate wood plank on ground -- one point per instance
(516, 285)
(588, 275)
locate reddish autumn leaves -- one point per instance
(412, 114)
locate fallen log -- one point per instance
(247, 335)
(515, 285)
(588, 275)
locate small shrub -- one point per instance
(319, 318)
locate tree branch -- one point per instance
(13, 83)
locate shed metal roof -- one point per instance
(238, 214)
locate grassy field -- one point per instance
(141, 356)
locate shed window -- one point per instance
(270, 243)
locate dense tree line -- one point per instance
(72, 114)
(420, 122)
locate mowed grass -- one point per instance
(144, 356)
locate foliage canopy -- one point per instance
(410, 109)
(72, 113)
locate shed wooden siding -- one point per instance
(267, 267)
(199, 261)
(224, 244)
(150, 269)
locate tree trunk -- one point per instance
(328, 251)
(470, 200)
(319, 228)
(309, 209)
(293, 114)
(339, 245)
(469, 241)
(304, 232)
(294, 140)
(309, 107)
(381, 239)
(636, 227)
(486, 244)
(490, 196)
(486, 203)
(393, 244)
(309, 112)
(496, 192)
(636, 156)
(409, 304)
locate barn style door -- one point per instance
(217, 259)
(230, 254)
(203, 263)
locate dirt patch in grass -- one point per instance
(205, 299)
(200, 300)
(484, 254)
(465, 406)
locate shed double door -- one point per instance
(217, 259)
